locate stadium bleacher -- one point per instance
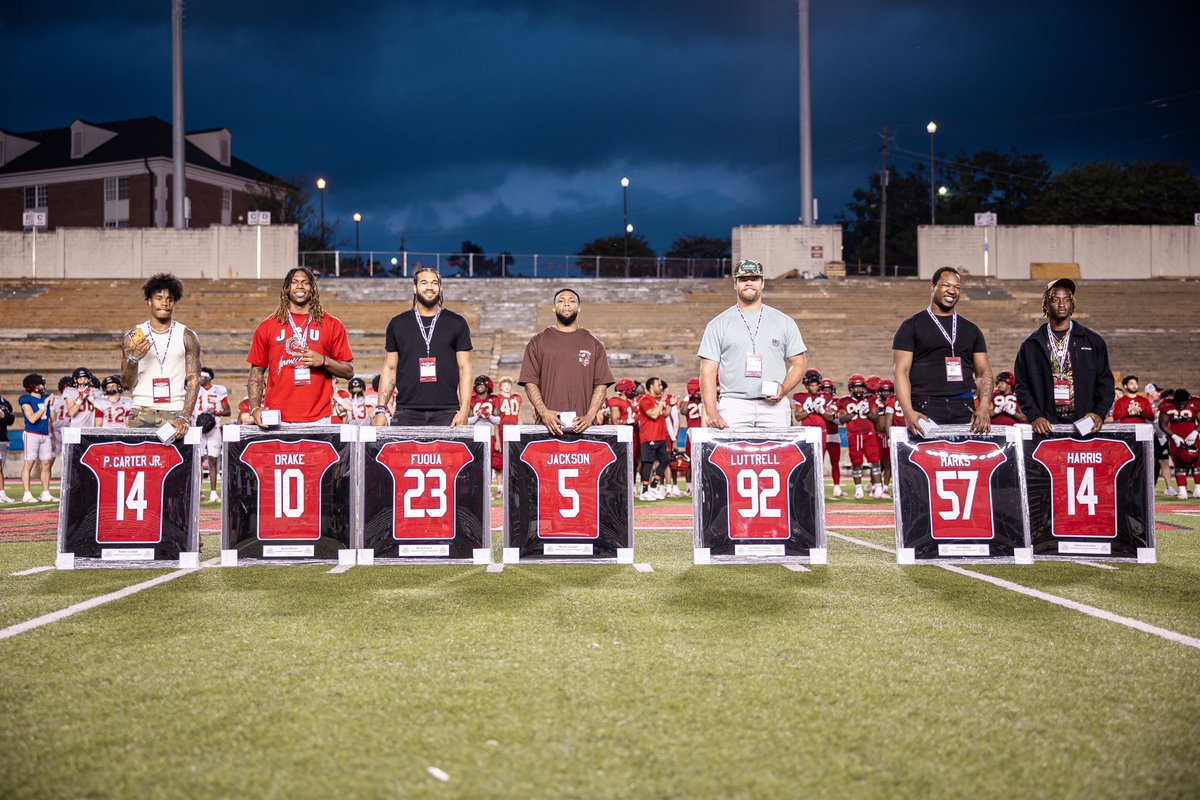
(649, 326)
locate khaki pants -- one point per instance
(141, 417)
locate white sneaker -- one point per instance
(46, 497)
(28, 498)
(649, 496)
(1169, 492)
(837, 491)
(877, 491)
(858, 491)
(1196, 493)
(212, 497)
(884, 493)
(688, 490)
(673, 491)
(4, 498)
(660, 492)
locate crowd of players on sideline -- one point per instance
(860, 420)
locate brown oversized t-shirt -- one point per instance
(566, 368)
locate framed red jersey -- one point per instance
(959, 495)
(426, 494)
(1092, 497)
(758, 498)
(288, 493)
(568, 497)
(127, 497)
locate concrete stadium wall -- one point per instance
(222, 251)
(786, 248)
(1103, 252)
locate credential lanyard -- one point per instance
(161, 358)
(757, 326)
(427, 335)
(953, 336)
(301, 334)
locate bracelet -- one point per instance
(380, 409)
(131, 358)
(255, 410)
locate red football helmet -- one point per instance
(827, 386)
(885, 386)
(486, 381)
(856, 380)
(625, 386)
(680, 462)
(693, 387)
(873, 383)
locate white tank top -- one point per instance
(165, 360)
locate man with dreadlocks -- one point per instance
(162, 361)
(1062, 368)
(428, 361)
(295, 355)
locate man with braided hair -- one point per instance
(295, 355)
(161, 363)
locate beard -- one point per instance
(566, 319)
(429, 304)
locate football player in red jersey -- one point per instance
(858, 412)
(620, 407)
(833, 438)
(814, 408)
(888, 408)
(1005, 410)
(673, 403)
(694, 412)
(1132, 407)
(485, 407)
(1179, 421)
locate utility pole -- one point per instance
(178, 134)
(883, 182)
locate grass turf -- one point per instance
(858, 679)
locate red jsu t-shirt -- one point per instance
(424, 481)
(269, 349)
(960, 486)
(289, 486)
(756, 480)
(1133, 410)
(131, 478)
(568, 474)
(1083, 484)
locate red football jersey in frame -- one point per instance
(1083, 484)
(130, 479)
(568, 474)
(289, 486)
(959, 476)
(757, 479)
(424, 479)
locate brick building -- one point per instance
(118, 175)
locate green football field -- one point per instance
(856, 679)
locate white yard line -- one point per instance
(86, 605)
(31, 571)
(1091, 611)
(340, 568)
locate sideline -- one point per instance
(1091, 611)
(70, 611)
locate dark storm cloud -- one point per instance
(510, 122)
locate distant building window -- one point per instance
(226, 199)
(116, 223)
(36, 197)
(116, 189)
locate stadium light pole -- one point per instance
(357, 220)
(321, 189)
(625, 205)
(932, 128)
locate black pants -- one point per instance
(651, 452)
(412, 417)
(945, 410)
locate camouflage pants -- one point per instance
(141, 417)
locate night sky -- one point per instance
(511, 122)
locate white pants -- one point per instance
(210, 443)
(739, 413)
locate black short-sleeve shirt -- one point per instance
(450, 337)
(923, 337)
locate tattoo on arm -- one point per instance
(387, 379)
(598, 393)
(191, 360)
(129, 370)
(256, 383)
(535, 399)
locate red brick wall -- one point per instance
(12, 205)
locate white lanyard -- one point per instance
(1059, 351)
(427, 335)
(161, 359)
(298, 333)
(953, 337)
(757, 326)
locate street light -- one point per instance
(625, 203)
(321, 189)
(357, 219)
(932, 128)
